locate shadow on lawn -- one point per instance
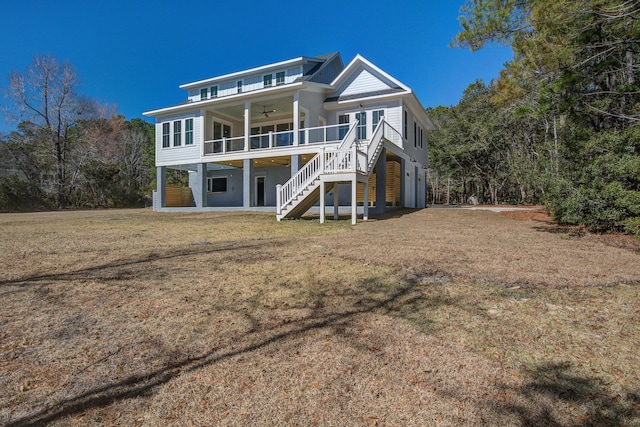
(555, 381)
(113, 269)
(588, 397)
(145, 384)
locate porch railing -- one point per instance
(324, 134)
(347, 160)
(224, 145)
(271, 139)
(314, 135)
(391, 134)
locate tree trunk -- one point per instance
(448, 190)
(630, 76)
(464, 190)
(60, 169)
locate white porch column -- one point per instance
(296, 164)
(354, 201)
(365, 215)
(247, 124)
(161, 183)
(200, 187)
(336, 201)
(322, 194)
(296, 118)
(247, 177)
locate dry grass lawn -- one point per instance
(439, 317)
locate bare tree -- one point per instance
(46, 95)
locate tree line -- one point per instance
(559, 126)
(68, 150)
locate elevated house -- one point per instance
(294, 134)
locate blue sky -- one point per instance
(135, 54)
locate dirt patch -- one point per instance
(530, 214)
(616, 240)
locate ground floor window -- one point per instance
(217, 185)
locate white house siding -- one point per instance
(393, 114)
(417, 153)
(292, 73)
(183, 153)
(364, 81)
(253, 83)
(227, 88)
(313, 101)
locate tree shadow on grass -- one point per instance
(551, 386)
(147, 383)
(116, 267)
(588, 399)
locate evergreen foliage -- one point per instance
(561, 122)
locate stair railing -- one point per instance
(349, 137)
(298, 182)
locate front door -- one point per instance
(260, 191)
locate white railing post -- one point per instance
(322, 154)
(278, 200)
(224, 144)
(270, 139)
(354, 159)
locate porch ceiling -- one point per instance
(257, 163)
(283, 108)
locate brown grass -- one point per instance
(432, 317)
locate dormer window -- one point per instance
(203, 93)
(267, 80)
(239, 86)
(214, 91)
(280, 78)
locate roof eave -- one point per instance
(238, 74)
(209, 102)
(337, 104)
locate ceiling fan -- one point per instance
(265, 112)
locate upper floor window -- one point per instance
(415, 135)
(362, 125)
(406, 125)
(166, 135)
(177, 133)
(188, 132)
(343, 119)
(376, 116)
(203, 93)
(214, 91)
(280, 78)
(239, 86)
(267, 80)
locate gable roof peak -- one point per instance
(361, 60)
